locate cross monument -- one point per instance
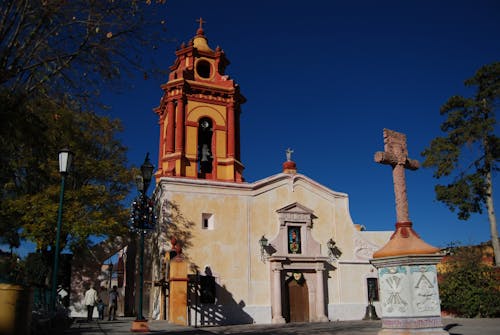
(396, 154)
(405, 262)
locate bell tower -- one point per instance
(199, 116)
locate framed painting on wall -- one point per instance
(294, 243)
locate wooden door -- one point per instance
(298, 301)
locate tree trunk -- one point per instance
(493, 220)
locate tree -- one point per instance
(49, 46)
(467, 275)
(55, 56)
(469, 150)
(95, 188)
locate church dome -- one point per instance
(200, 42)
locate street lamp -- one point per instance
(263, 245)
(142, 218)
(65, 159)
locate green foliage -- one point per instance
(469, 150)
(468, 286)
(37, 268)
(30, 181)
(55, 57)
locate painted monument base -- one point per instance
(140, 326)
(409, 295)
(412, 326)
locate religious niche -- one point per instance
(294, 242)
(294, 239)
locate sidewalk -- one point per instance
(454, 326)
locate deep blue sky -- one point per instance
(325, 78)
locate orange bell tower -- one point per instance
(199, 116)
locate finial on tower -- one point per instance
(289, 153)
(200, 41)
(289, 166)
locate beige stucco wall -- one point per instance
(243, 213)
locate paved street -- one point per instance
(454, 326)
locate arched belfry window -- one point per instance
(205, 157)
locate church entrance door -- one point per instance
(298, 300)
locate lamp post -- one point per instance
(142, 219)
(65, 159)
(110, 269)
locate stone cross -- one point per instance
(396, 154)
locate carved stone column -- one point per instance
(276, 307)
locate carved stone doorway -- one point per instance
(297, 256)
(298, 300)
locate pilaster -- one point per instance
(320, 294)
(276, 307)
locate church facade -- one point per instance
(280, 249)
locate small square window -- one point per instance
(207, 221)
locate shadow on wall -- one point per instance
(222, 310)
(174, 224)
(225, 310)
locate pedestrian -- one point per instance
(100, 309)
(113, 303)
(90, 301)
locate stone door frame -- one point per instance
(314, 273)
(308, 261)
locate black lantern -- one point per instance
(263, 245)
(147, 172)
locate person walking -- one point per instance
(100, 309)
(90, 301)
(113, 303)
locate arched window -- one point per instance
(205, 157)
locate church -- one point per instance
(281, 249)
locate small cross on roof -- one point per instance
(201, 21)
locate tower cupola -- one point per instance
(199, 116)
